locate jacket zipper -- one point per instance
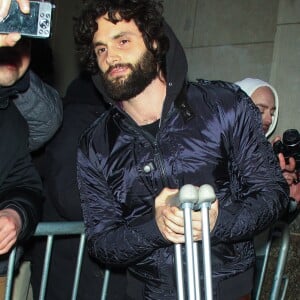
(157, 157)
(154, 144)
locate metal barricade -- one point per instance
(280, 233)
(50, 230)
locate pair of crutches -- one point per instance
(192, 198)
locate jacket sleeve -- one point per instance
(24, 195)
(111, 239)
(41, 106)
(258, 193)
(21, 190)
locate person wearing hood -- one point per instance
(160, 133)
(265, 97)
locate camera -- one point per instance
(289, 147)
(36, 24)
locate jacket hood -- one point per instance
(176, 66)
(250, 85)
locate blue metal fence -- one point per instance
(50, 230)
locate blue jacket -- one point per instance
(210, 132)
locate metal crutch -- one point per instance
(206, 198)
(190, 198)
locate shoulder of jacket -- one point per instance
(217, 84)
(88, 134)
(217, 94)
(225, 92)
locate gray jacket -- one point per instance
(41, 106)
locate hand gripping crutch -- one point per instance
(190, 198)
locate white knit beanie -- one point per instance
(250, 85)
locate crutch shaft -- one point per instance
(190, 198)
(187, 209)
(206, 251)
(179, 272)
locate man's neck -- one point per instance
(146, 107)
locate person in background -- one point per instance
(20, 184)
(40, 107)
(265, 97)
(160, 133)
(39, 103)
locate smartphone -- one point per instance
(36, 24)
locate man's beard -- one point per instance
(142, 74)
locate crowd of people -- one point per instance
(129, 133)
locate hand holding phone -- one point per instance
(9, 40)
(36, 24)
(5, 5)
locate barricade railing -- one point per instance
(279, 235)
(50, 230)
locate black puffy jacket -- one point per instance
(41, 106)
(20, 184)
(210, 132)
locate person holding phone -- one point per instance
(30, 113)
(20, 185)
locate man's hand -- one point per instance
(10, 227)
(170, 219)
(288, 170)
(295, 192)
(9, 40)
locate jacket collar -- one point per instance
(20, 86)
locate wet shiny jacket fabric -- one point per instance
(209, 133)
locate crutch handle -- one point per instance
(206, 196)
(188, 194)
(206, 193)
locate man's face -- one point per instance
(264, 99)
(126, 66)
(14, 61)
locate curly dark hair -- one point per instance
(147, 15)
